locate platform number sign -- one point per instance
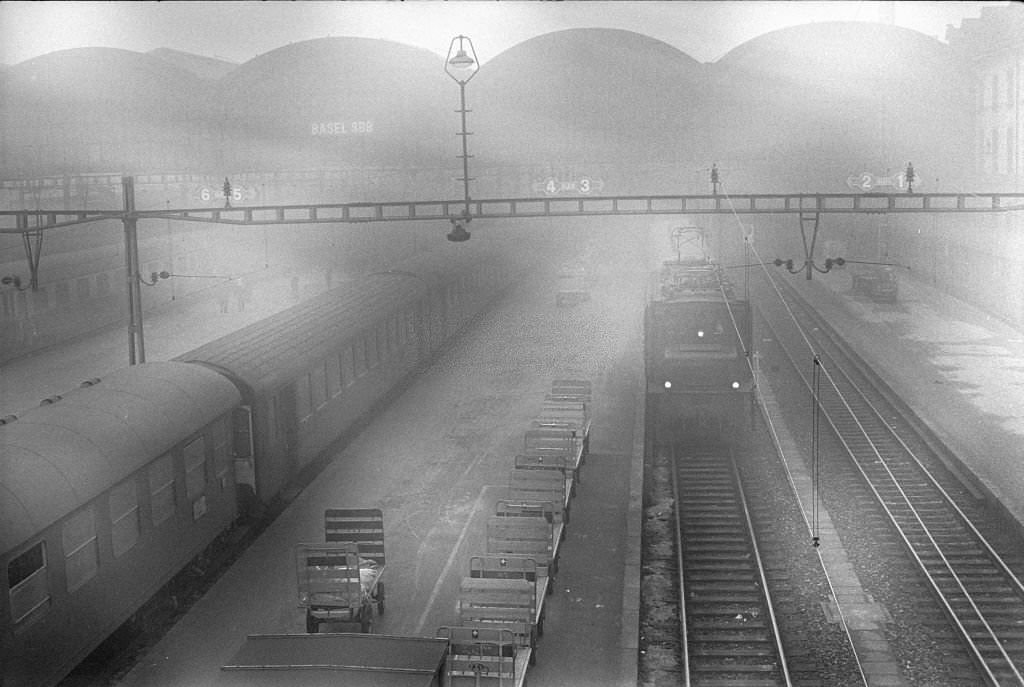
(553, 186)
(207, 194)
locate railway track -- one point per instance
(979, 592)
(727, 620)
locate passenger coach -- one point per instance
(109, 491)
(105, 493)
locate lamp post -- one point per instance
(462, 66)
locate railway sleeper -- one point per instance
(729, 637)
(732, 667)
(731, 650)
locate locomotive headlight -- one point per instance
(668, 385)
(735, 385)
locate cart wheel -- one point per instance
(312, 625)
(380, 599)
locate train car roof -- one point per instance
(58, 457)
(273, 351)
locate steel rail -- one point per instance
(874, 436)
(744, 529)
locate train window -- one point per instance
(81, 555)
(318, 385)
(303, 406)
(274, 421)
(348, 365)
(221, 435)
(28, 583)
(382, 341)
(372, 352)
(124, 517)
(400, 330)
(410, 325)
(360, 357)
(161, 488)
(194, 456)
(333, 375)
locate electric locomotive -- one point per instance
(697, 349)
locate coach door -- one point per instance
(245, 456)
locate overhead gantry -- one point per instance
(31, 224)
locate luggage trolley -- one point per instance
(340, 580)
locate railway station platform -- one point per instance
(960, 369)
(436, 461)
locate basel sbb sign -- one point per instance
(341, 128)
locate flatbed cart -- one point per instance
(554, 459)
(336, 585)
(508, 604)
(515, 561)
(566, 412)
(507, 568)
(322, 660)
(480, 657)
(560, 448)
(542, 485)
(525, 536)
(572, 387)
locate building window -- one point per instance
(27, 582)
(63, 294)
(82, 286)
(161, 488)
(102, 284)
(81, 555)
(124, 517)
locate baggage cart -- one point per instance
(480, 657)
(336, 585)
